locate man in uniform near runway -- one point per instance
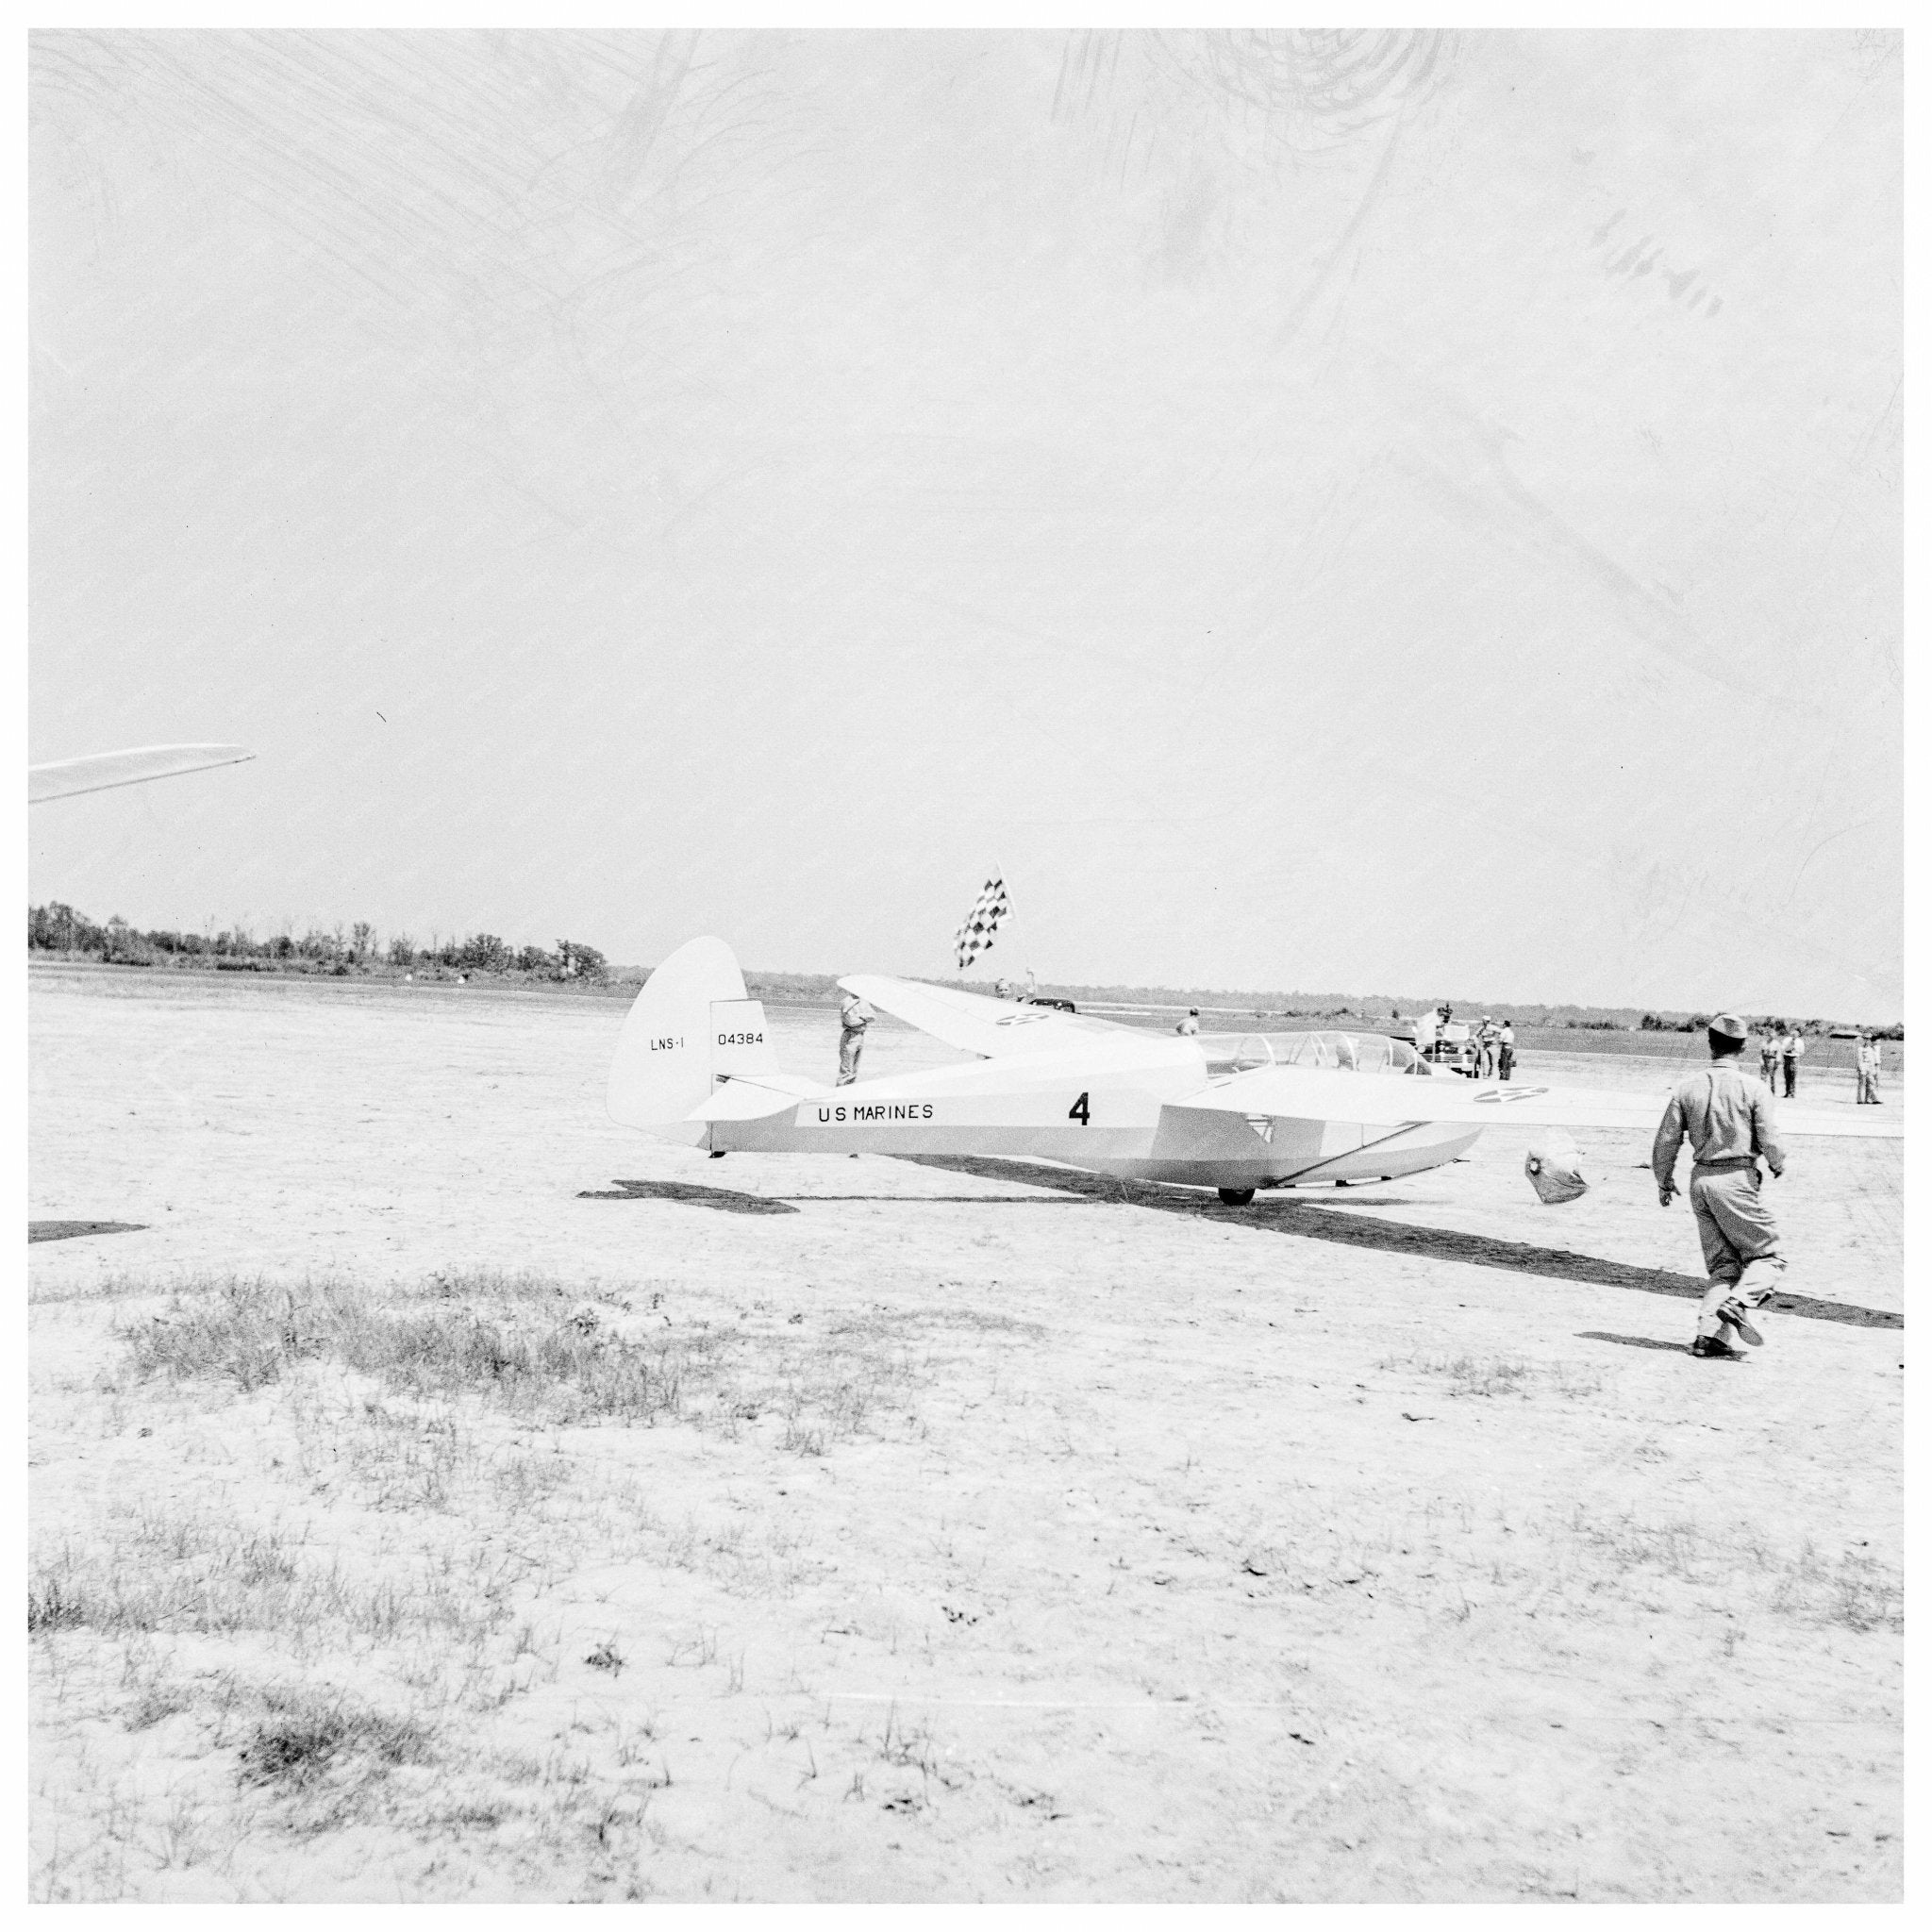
(1725, 1113)
(1869, 1063)
(1793, 1049)
(1191, 1025)
(854, 1016)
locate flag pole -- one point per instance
(999, 871)
(1016, 953)
(1025, 964)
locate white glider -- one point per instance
(70, 776)
(694, 1064)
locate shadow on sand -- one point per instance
(1341, 1220)
(733, 1203)
(1634, 1340)
(723, 1198)
(946, 1200)
(68, 1230)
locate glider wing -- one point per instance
(108, 768)
(1390, 1100)
(996, 1029)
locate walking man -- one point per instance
(1726, 1116)
(854, 1016)
(1767, 1057)
(1487, 1037)
(1505, 1051)
(1794, 1050)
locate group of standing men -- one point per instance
(1779, 1046)
(1495, 1050)
(1489, 1049)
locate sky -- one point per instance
(1412, 512)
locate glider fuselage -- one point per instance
(696, 1065)
(1130, 1120)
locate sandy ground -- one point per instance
(1378, 1544)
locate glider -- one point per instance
(694, 1065)
(70, 776)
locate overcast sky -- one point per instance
(1412, 513)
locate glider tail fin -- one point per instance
(690, 1028)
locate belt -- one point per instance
(1730, 1164)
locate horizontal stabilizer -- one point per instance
(742, 1099)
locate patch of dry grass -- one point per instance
(155, 1572)
(1851, 1589)
(303, 1733)
(531, 1345)
(427, 1426)
(1492, 1375)
(506, 1704)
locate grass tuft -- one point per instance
(52, 1604)
(1492, 1375)
(303, 1734)
(1851, 1590)
(523, 1342)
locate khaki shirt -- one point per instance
(1726, 1114)
(856, 1015)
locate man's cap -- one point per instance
(1193, 1009)
(1727, 1026)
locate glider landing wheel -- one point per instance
(1236, 1197)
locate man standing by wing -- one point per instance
(854, 1016)
(1725, 1113)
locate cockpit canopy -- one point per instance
(1352, 1053)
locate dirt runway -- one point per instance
(1011, 1535)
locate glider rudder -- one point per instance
(690, 1025)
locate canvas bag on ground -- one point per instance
(1555, 1168)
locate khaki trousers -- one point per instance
(849, 1045)
(1742, 1250)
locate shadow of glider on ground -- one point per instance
(68, 1230)
(1332, 1221)
(689, 1192)
(1343, 1222)
(734, 1203)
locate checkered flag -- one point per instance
(975, 935)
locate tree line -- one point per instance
(1763, 1023)
(57, 928)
